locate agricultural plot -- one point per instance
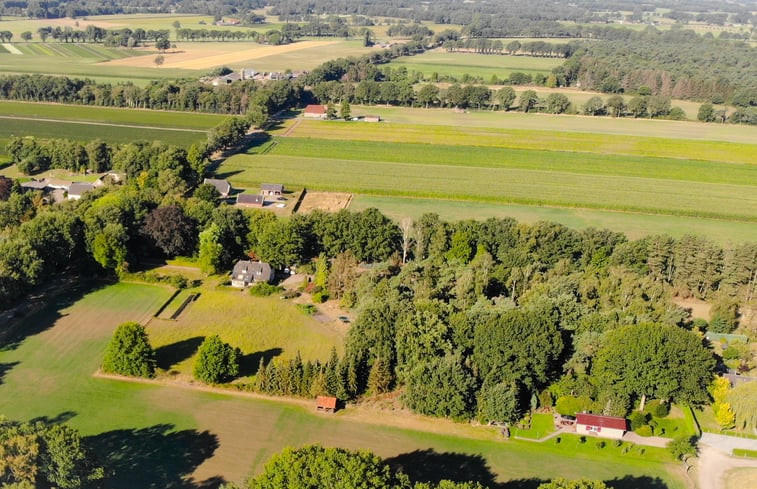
(181, 436)
(484, 65)
(529, 139)
(634, 225)
(555, 123)
(111, 115)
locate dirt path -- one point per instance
(292, 127)
(88, 123)
(713, 466)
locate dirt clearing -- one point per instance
(325, 201)
(192, 58)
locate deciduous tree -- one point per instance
(129, 352)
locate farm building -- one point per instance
(247, 272)
(272, 189)
(371, 118)
(599, 425)
(77, 189)
(244, 74)
(315, 112)
(34, 185)
(325, 404)
(249, 200)
(223, 186)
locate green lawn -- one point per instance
(112, 115)
(163, 436)
(484, 65)
(634, 225)
(260, 326)
(542, 424)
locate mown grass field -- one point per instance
(484, 65)
(529, 139)
(165, 436)
(262, 327)
(558, 123)
(112, 115)
(634, 225)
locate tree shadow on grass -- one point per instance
(174, 353)
(431, 466)
(61, 418)
(249, 364)
(154, 458)
(633, 482)
(5, 368)
(37, 314)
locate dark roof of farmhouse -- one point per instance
(250, 199)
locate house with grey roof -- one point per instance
(223, 186)
(246, 273)
(272, 189)
(77, 189)
(250, 200)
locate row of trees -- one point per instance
(531, 48)
(190, 95)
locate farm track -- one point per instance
(88, 123)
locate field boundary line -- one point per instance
(11, 48)
(107, 124)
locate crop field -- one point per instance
(488, 120)
(527, 139)
(260, 326)
(484, 65)
(652, 184)
(182, 436)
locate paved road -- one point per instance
(726, 444)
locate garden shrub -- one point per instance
(129, 352)
(645, 430)
(638, 419)
(216, 361)
(264, 289)
(657, 408)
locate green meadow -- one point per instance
(457, 64)
(164, 435)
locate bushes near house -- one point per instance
(264, 289)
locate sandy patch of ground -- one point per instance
(197, 59)
(741, 479)
(698, 307)
(714, 466)
(325, 201)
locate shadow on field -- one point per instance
(61, 418)
(250, 363)
(631, 482)
(154, 457)
(5, 368)
(431, 466)
(177, 352)
(39, 313)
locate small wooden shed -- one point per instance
(326, 404)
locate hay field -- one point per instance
(180, 437)
(188, 56)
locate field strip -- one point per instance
(11, 48)
(195, 60)
(66, 121)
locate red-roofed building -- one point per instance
(325, 404)
(598, 425)
(315, 111)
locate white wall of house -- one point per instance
(589, 430)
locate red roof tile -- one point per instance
(602, 421)
(326, 402)
(315, 109)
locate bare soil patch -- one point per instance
(698, 307)
(325, 201)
